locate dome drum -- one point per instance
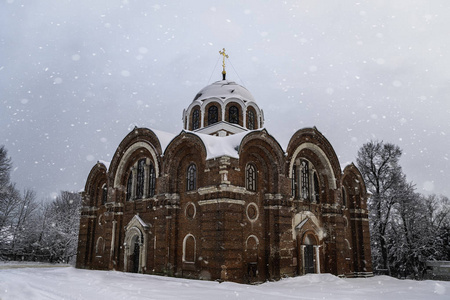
(220, 105)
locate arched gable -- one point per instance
(138, 139)
(311, 139)
(184, 149)
(263, 147)
(97, 177)
(354, 185)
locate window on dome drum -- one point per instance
(250, 177)
(304, 173)
(140, 179)
(129, 186)
(151, 180)
(251, 120)
(104, 193)
(196, 119)
(191, 178)
(233, 115)
(213, 115)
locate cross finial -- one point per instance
(224, 73)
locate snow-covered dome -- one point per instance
(223, 108)
(224, 89)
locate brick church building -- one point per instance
(222, 200)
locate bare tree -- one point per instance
(23, 222)
(5, 167)
(379, 165)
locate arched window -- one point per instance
(250, 177)
(316, 188)
(151, 180)
(140, 178)
(104, 193)
(294, 182)
(130, 186)
(213, 115)
(100, 246)
(251, 120)
(304, 173)
(305, 181)
(196, 119)
(252, 248)
(189, 248)
(344, 197)
(191, 178)
(233, 115)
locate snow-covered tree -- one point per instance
(407, 228)
(30, 230)
(63, 221)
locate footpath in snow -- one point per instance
(69, 283)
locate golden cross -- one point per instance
(223, 61)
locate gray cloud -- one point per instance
(76, 76)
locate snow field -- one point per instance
(75, 284)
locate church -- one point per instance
(222, 200)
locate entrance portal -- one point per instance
(135, 246)
(135, 256)
(308, 254)
(309, 259)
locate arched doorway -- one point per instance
(132, 255)
(135, 254)
(135, 245)
(308, 254)
(251, 255)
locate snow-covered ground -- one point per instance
(69, 283)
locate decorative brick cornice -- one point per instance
(222, 200)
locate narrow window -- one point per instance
(233, 115)
(129, 186)
(344, 197)
(251, 120)
(316, 188)
(251, 177)
(140, 178)
(213, 115)
(294, 181)
(151, 180)
(189, 248)
(191, 177)
(100, 246)
(305, 179)
(196, 119)
(104, 193)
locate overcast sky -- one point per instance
(77, 76)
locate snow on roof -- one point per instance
(224, 89)
(221, 146)
(145, 225)
(215, 146)
(345, 165)
(106, 163)
(164, 138)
